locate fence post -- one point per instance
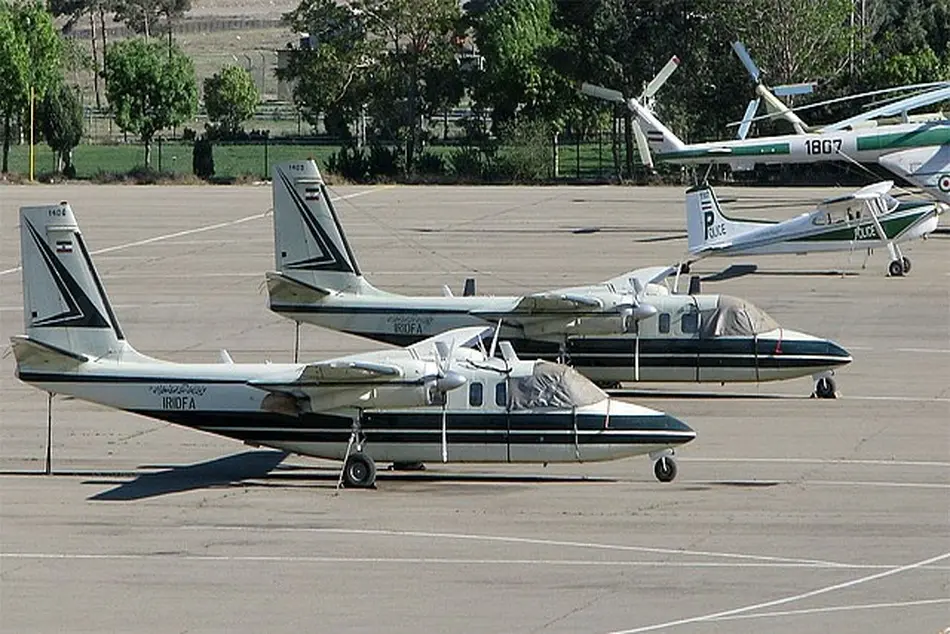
(264, 176)
(159, 154)
(577, 157)
(556, 162)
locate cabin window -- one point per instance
(664, 323)
(475, 391)
(690, 322)
(501, 394)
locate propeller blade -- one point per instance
(443, 355)
(661, 78)
(642, 146)
(445, 443)
(602, 93)
(750, 111)
(789, 90)
(636, 356)
(494, 340)
(746, 60)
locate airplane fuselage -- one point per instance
(819, 231)
(673, 345)
(218, 398)
(863, 145)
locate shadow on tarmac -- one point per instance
(263, 466)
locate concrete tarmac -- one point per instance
(789, 514)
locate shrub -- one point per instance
(202, 159)
(467, 162)
(431, 164)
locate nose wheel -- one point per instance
(825, 388)
(665, 469)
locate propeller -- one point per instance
(633, 312)
(646, 99)
(446, 380)
(773, 105)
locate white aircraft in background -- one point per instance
(917, 152)
(436, 400)
(629, 328)
(867, 219)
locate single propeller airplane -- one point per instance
(917, 152)
(629, 328)
(867, 219)
(439, 399)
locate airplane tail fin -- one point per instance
(707, 228)
(66, 312)
(309, 242)
(660, 138)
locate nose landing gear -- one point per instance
(664, 466)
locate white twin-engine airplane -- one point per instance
(436, 400)
(867, 219)
(629, 328)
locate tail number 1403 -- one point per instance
(822, 146)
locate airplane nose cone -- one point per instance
(450, 381)
(684, 431)
(839, 355)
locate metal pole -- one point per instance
(265, 158)
(32, 125)
(49, 434)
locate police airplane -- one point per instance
(439, 399)
(867, 219)
(629, 328)
(917, 152)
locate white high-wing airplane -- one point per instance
(918, 152)
(629, 328)
(436, 400)
(867, 219)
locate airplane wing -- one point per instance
(870, 192)
(644, 276)
(329, 373)
(542, 304)
(458, 338)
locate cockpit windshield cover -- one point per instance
(552, 385)
(736, 317)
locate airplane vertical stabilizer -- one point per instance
(707, 228)
(64, 303)
(309, 243)
(660, 138)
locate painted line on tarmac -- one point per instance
(318, 559)
(188, 232)
(834, 608)
(520, 540)
(896, 463)
(850, 483)
(791, 599)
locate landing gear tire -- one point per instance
(825, 388)
(665, 469)
(359, 471)
(896, 268)
(905, 263)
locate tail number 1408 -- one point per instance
(822, 146)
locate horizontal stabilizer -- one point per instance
(284, 289)
(644, 276)
(36, 355)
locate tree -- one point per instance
(143, 16)
(231, 97)
(29, 58)
(515, 38)
(148, 88)
(420, 38)
(61, 119)
(330, 72)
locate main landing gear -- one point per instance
(664, 466)
(359, 469)
(899, 268)
(825, 387)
